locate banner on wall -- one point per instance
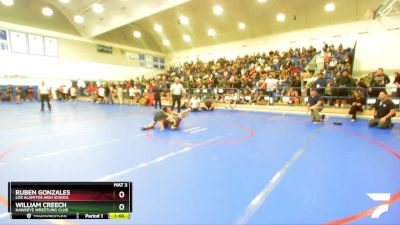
(19, 43)
(50, 46)
(4, 44)
(149, 61)
(36, 44)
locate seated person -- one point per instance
(261, 101)
(230, 100)
(315, 106)
(383, 110)
(356, 105)
(208, 105)
(293, 97)
(195, 103)
(184, 102)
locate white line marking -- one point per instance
(187, 130)
(157, 160)
(196, 131)
(266, 191)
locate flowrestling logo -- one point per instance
(379, 197)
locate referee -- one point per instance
(44, 93)
(176, 92)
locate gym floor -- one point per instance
(220, 167)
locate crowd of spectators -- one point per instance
(262, 78)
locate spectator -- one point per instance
(195, 103)
(356, 105)
(1, 95)
(101, 95)
(261, 100)
(378, 83)
(157, 95)
(293, 97)
(320, 84)
(397, 83)
(342, 83)
(208, 105)
(315, 106)
(29, 93)
(18, 94)
(120, 93)
(383, 110)
(9, 94)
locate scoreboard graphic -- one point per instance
(70, 200)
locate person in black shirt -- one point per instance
(356, 105)
(157, 95)
(378, 83)
(341, 84)
(383, 110)
(315, 106)
(397, 83)
(208, 105)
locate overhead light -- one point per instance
(166, 42)
(47, 11)
(64, 1)
(218, 10)
(7, 2)
(211, 33)
(262, 1)
(158, 28)
(330, 7)
(137, 34)
(186, 38)
(183, 20)
(79, 19)
(97, 8)
(242, 25)
(280, 17)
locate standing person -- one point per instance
(342, 83)
(356, 105)
(44, 93)
(1, 95)
(157, 95)
(315, 106)
(9, 93)
(378, 83)
(101, 93)
(176, 91)
(30, 93)
(383, 110)
(18, 96)
(73, 92)
(397, 83)
(131, 95)
(120, 94)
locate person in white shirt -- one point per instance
(176, 92)
(270, 84)
(119, 94)
(74, 93)
(101, 94)
(131, 95)
(195, 103)
(44, 93)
